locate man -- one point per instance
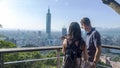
(93, 42)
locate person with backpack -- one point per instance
(93, 41)
(74, 47)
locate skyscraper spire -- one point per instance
(48, 10)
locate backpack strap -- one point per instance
(79, 51)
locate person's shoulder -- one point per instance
(96, 32)
(65, 39)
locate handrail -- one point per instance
(31, 60)
(57, 48)
(10, 50)
(111, 47)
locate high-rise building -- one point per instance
(64, 31)
(48, 24)
(39, 33)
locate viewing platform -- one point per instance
(58, 57)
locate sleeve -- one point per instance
(97, 39)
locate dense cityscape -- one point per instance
(39, 38)
(27, 38)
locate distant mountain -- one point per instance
(108, 30)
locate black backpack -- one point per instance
(71, 53)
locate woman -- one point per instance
(73, 47)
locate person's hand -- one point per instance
(86, 64)
(107, 1)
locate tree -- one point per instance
(8, 57)
(113, 4)
(5, 44)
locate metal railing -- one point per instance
(57, 48)
(11, 50)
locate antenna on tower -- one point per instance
(48, 9)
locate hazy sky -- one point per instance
(31, 14)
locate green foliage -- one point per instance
(51, 63)
(103, 64)
(1, 35)
(5, 44)
(23, 56)
(50, 54)
(116, 59)
(29, 45)
(19, 56)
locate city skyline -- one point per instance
(31, 14)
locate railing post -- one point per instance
(58, 58)
(1, 61)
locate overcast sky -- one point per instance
(31, 14)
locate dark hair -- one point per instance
(85, 21)
(75, 31)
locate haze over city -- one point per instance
(31, 14)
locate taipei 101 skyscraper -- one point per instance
(48, 24)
